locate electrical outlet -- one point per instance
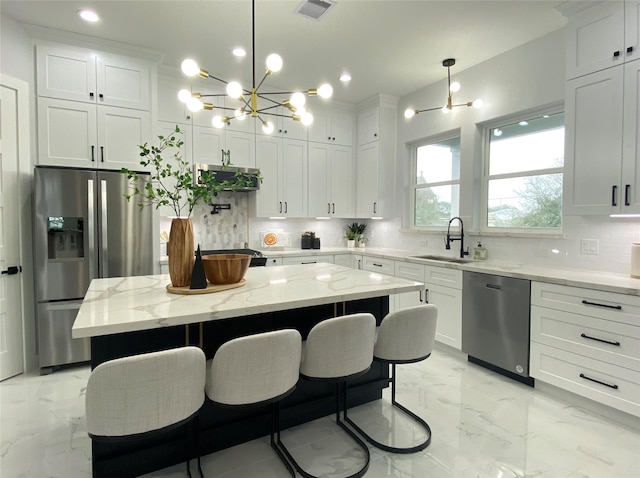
(589, 247)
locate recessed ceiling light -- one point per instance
(239, 52)
(345, 77)
(88, 15)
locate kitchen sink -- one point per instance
(433, 257)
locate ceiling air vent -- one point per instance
(314, 8)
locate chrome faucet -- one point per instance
(449, 239)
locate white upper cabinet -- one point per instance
(369, 125)
(331, 126)
(331, 181)
(284, 126)
(170, 108)
(76, 134)
(84, 75)
(602, 36)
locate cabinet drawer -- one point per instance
(615, 386)
(594, 303)
(307, 260)
(408, 270)
(443, 276)
(375, 264)
(599, 339)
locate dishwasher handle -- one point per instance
(494, 286)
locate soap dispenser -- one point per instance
(479, 252)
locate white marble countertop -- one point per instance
(126, 304)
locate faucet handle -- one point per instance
(466, 253)
(447, 243)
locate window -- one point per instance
(523, 175)
(436, 182)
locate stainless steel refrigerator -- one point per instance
(84, 228)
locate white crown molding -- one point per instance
(85, 41)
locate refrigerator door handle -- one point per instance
(91, 219)
(103, 227)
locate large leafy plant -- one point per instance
(172, 183)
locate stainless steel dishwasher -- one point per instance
(495, 323)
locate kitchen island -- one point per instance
(126, 316)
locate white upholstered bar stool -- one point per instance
(135, 397)
(404, 336)
(336, 350)
(257, 370)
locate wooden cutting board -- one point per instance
(211, 288)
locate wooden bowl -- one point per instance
(225, 268)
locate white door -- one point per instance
(11, 361)
(319, 177)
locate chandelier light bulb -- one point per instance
(217, 122)
(477, 104)
(274, 63)
(194, 105)
(240, 114)
(409, 113)
(184, 95)
(306, 118)
(301, 110)
(325, 91)
(190, 67)
(454, 87)
(234, 90)
(267, 127)
(298, 100)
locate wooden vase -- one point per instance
(180, 252)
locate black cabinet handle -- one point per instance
(11, 270)
(102, 154)
(377, 265)
(280, 207)
(494, 286)
(615, 387)
(617, 307)
(614, 195)
(93, 152)
(101, 96)
(333, 208)
(426, 296)
(375, 207)
(375, 135)
(627, 190)
(309, 262)
(585, 336)
(328, 208)
(91, 95)
(629, 49)
(616, 53)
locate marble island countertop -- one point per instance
(127, 304)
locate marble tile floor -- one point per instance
(484, 425)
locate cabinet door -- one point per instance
(630, 194)
(367, 189)
(67, 133)
(246, 125)
(320, 129)
(593, 147)
(170, 108)
(120, 132)
(342, 180)
(632, 29)
(449, 303)
(123, 82)
(319, 179)
(267, 197)
(242, 147)
(208, 144)
(294, 177)
(368, 125)
(342, 128)
(409, 299)
(593, 37)
(66, 74)
(288, 128)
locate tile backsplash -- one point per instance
(612, 236)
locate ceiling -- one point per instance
(394, 47)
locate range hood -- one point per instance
(228, 173)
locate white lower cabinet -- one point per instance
(411, 271)
(587, 342)
(328, 258)
(343, 260)
(273, 261)
(377, 264)
(443, 288)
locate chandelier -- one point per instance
(452, 88)
(249, 100)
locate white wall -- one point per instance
(521, 79)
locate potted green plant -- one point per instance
(172, 184)
(355, 233)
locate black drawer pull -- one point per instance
(617, 307)
(614, 195)
(93, 149)
(616, 53)
(614, 386)
(309, 262)
(617, 344)
(627, 188)
(629, 49)
(377, 265)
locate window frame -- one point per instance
(486, 128)
(446, 136)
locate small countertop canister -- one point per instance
(635, 260)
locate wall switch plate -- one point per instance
(589, 247)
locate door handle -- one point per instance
(614, 195)
(328, 208)
(93, 153)
(91, 218)
(334, 207)
(103, 219)
(102, 154)
(627, 190)
(11, 270)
